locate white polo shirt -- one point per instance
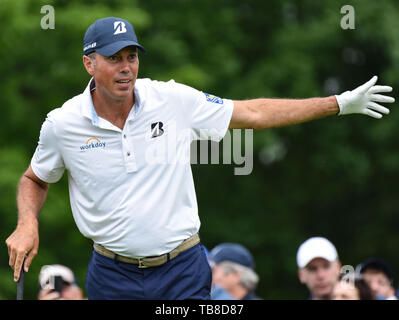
(132, 190)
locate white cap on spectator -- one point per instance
(48, 272)
(315, 247)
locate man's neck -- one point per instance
(324, 297)
(112, 110)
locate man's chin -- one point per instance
(122, 94)
(323, 293)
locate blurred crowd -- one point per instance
(320, 269)
(234, 276)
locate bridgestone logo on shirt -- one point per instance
(157, 129)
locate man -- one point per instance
(379, 276)
(67, 289)
(319, 267)
(233, 273)
(123, 142)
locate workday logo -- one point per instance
(119, 27)
(92, 143)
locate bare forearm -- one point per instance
(23, 243)
(270, 113)
(30, 199)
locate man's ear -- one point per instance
(89, 65)
(392, 291)
(301, 276)
(338, 266)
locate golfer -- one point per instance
(129, 190)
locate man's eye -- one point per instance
(113, 58)
(132, 56)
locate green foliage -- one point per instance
(334, 177)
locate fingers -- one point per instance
(48, 294)
(29, 259)
(22, 244)
(17, 257)
(374, 109)
(18, 262)
(11, 260)
(369, 84)
(18, 266)
(372, 113)
(377, 107)
(378, 89)
(52, 296)
(382, 98)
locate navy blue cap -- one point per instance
(109, 35)
(233, 252)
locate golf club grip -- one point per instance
(20, 284)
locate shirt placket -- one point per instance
(128, 149)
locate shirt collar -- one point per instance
(89, 111)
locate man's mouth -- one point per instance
(321, 286)
(124, 81)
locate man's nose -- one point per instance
(320, 273)
(373, 286)
(124, 66)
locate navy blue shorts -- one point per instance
(188, 276)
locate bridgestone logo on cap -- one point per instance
(119, 27)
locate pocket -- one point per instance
(98, 276)
(91, 281)
(207, 267)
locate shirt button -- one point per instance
(128, 153)
(124, 136)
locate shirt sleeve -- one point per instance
(209, 116)
(47, 162)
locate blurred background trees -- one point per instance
(334, 177)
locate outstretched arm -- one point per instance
(24, 241)
(270, 113)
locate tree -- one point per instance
(334, 177)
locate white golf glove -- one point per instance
(364, 100)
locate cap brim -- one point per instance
(113, 48)
(308, 260)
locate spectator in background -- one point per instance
(233, 274)
(379, 276)
(319, 267)
(57, 282)
(352, 290)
